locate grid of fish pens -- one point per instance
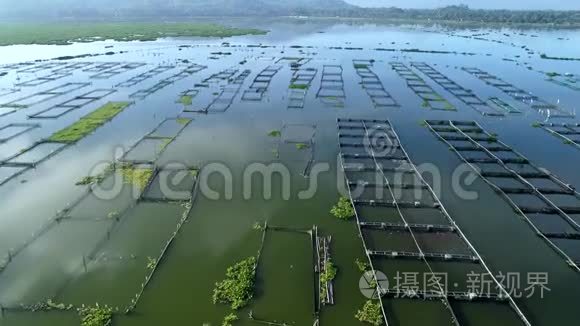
(225, 74)
(431, 99)
(69, 68)
(261, 83)
(75, 278)
(43, 80)
(568, 132)
(106, 74)
(331, 91)
(44, 149)
(146, 75)
(39, 97)
(13, 130)
(569, 82)
(464, 95)
(77, 102)
(8, 91)
(299, 84)
(34, 68)
(150, 147)
(229, 92)
(372, 85)
(400, 218)
(100, 67)
(502, 105)
(519, 94)
(188, 71)
(548, 204)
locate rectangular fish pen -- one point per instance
(106, 74)
(227, 95)
(186, 72)
(102, 66)
(295, 280)
(464, 95)
(569, 132)
(77, 102)
(331, 91)
(503, 105)
(144, 76)
(261, 83)
(43, 80)
(34, 68)
(373, 86)
(13, 130)
(39, 97)
(69, 68)
(400, 218)
(299, 84)
(431, 99)
(536, 103)
(150, 147)
(533, 192)
(297, 146)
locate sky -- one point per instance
(484, 4)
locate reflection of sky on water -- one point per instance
(239, 136)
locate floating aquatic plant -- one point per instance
(238, 287)
(343, 209)
(230, 319)
(275, 133)
(329, 272)
(151, 262)
(96, 315)
(302, 146)
(363, 266)
(370, 313)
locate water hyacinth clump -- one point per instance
(370, 313)
(343, 209)
(238, 287)
(96, 315)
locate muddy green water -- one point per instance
(220, 232)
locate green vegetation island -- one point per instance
(68, 33)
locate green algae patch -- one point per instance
(136, 175)
(298, 86)
(68, 33)
(88, 123)
(186, 100)
(183, 121)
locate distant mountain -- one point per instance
(179, 9)
(136, 8)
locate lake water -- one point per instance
(98, 250)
